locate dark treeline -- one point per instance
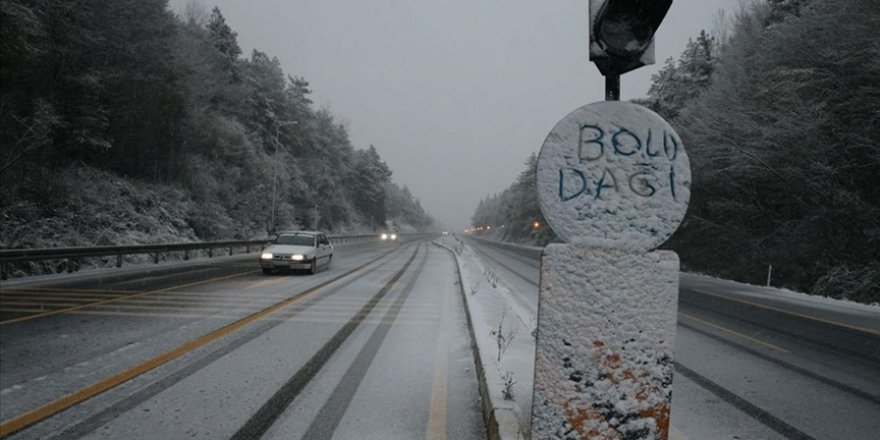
(514, 214)
(779, 109)
(120, 118)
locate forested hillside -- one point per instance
(780, 112)
(122, 122)
(514, 214)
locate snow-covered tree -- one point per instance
(225, 41)
(126, 89)
(678, 83)
(369, 176)
(785, 160)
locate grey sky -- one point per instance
(454, 94)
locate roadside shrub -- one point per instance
(861, 284)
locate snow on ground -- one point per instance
(740, 287)
(505, 337)
(782, 293)
(488, 304)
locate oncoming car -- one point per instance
(297, 250)
(388, 236)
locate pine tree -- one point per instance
(677, 84)
(225, 40)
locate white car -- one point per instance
(388, 236)
(297, 250)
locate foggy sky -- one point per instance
(454, 94)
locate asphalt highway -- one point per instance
(373, 347)
(752, 362)
(376, 346)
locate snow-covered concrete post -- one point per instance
(614, 184)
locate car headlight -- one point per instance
(266, 256)
(384, 236)
(394, 236)
(297, 257)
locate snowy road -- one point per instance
(375, 347)
(752, 363)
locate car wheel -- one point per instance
(314, 267)
(267, 271)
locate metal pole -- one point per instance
(316, 218)
(274, 174)
(612, 88)
(278, 125)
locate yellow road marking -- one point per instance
(733, 332)
(16, 423)
(358, 300)
(437, 416)
(126, 313)
(99, 292)
(82, 306)
(266, 282)
(67, 290)
(169, 308)
(178, 307)
(160, 277)
(189, 315)
(675, 434)
(47, 284)
(371, 320)
(51, 297)
(147, 304)
(182, 300)
(26, 289)
(45, 305)
(799, 315)
(14, 310)
(175, 294)
(220, 306)
(159, 297)
(64, 291)
(199, 299)
(344, 308)
(217, 294)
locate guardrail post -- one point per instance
(186, 255)
(118, 260)
(156, 258)
(230, 250)
(210, 252)
(3, 271)
(69, 265)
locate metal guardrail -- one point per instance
(73, 255)
(533, 252)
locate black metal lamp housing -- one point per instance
(622, 33)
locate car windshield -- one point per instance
(296, 239)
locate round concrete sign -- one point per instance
(614, 175)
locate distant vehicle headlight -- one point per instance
(394, 236)
(384, 236)
(266, 256)
(297, 257)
